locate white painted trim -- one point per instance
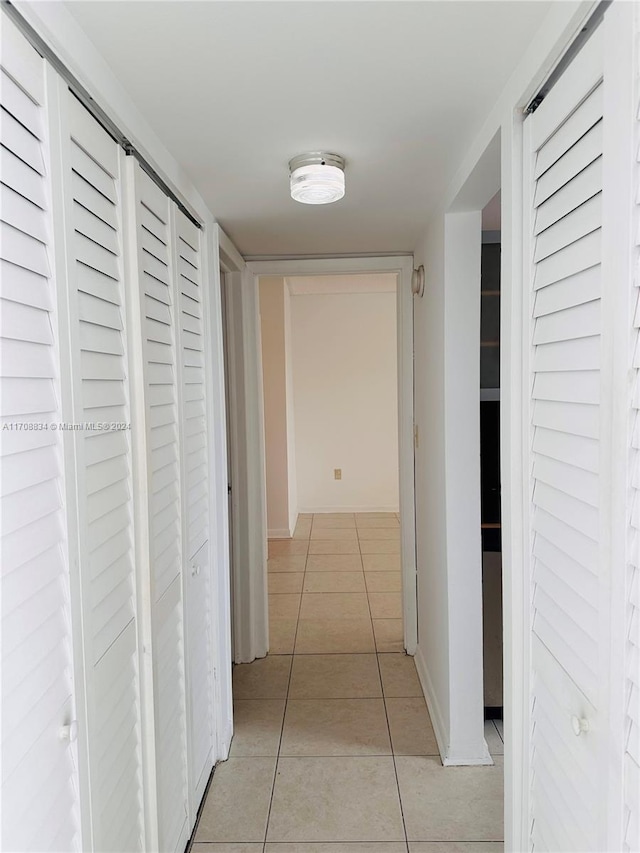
(516, 653)
(248, 478)
(617, 306)
(57, 165)
(323, 285)
(139, 450)
(280, 533)
(402, 265)
(218, 477)
(435, 712)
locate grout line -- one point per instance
(393, 755)
(286, 700)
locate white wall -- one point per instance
(278, 417)
(344, 349)
(447, 525)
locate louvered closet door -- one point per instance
(39, 780)
(158, 311)
(190, 316)
(563, 149)
(92, 184)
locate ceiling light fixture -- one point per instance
(317, 177)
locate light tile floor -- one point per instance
(333, 750)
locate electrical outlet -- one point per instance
(337, 473)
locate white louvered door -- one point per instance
(195, 498)
(569, 592)
(102, 448)
(40, 810)
(164, 516)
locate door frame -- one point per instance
(256, 634)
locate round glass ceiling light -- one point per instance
(317, 177)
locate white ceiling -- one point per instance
(235, 89)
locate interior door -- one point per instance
(40, 808)
(569, 575)
(104, 481)
(189, 317)
(163, 587)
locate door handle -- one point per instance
(579, 725)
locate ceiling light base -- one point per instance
(317, 177)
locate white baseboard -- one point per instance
(450, 755)
(435, 713)
(283, 533)
(320, 509)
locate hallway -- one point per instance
(333, 749)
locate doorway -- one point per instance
(490, 474)
(329, 359)
(402, 267)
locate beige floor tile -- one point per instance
(334, 582)
(308, 516)
(237, 804)
(391, 533)
(385, 605)
(365, 515)
(335, 677)
(384, 581)
(399, 676)
(493, 739)
(380, 546)
(288, 547)
(335, 799)
(381, 562)
(334, 563)
(411, 729)
(280, 582)
(327, 534)
(338, 515)
(456, 847)
(335, 546)
(282, 636)
(377, 522)
(257, 725)
(340, 847)
(284, 606)
(450, 803)
(334, 605)
(389, 635)
(226, 848)
(278, 565)
(302, 531)
(334, 636)
(324, 522)
(267, 678)
(335, 727)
